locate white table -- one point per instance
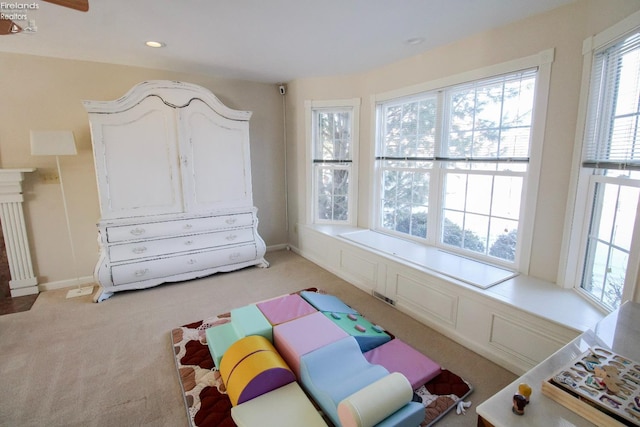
(619, 332)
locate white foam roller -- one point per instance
(375, 402)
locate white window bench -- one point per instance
(512, 319)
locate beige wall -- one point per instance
(46, 94)
(563, 29)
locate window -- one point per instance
(406, 154)
(608, 189)
(453, 162)
(333, 139)
(608, 241)
(485, 157)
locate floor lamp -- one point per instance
(60, 143)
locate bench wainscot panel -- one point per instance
(516, 323)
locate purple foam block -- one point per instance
(398, 356)
(265, 382)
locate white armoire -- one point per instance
(174, 184)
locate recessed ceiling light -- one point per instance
(155, 44)
(414, 41)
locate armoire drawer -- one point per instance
(164, 267)
(193, 242)
(150, 230)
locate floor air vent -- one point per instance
(383, 298)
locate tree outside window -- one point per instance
(332, 142)
(473, 141)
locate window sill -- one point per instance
(528, 294)
(475, 273)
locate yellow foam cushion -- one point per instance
(257, 374)
(241, 349)
(252, 367)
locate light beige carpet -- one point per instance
(70, 362)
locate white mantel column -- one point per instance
(23, 281)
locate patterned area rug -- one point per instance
(207, 402)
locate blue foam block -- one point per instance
(324, 302)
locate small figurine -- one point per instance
(524, 389)
(519, 402)
(521, 398)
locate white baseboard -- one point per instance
(67, 283)
(277, 247)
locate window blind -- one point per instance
(487, 120)
(490, 119)
(612, 131)
(332, 136)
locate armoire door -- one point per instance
(215, 159)
(137, 161)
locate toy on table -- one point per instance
(521, 398)
(524, 389)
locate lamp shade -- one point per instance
(53, 143)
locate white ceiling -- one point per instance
(261, 40)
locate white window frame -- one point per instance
(543, 61)
(352, 105)
(578, 217)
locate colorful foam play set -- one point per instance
(290, 360)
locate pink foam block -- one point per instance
(303, 335)
(398, 356)
(285, 308)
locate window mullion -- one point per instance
(436, 196)
(333, 209)
(633, 268)
(435, 205)
(501, 125)
(493, 187)
(634, 144)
